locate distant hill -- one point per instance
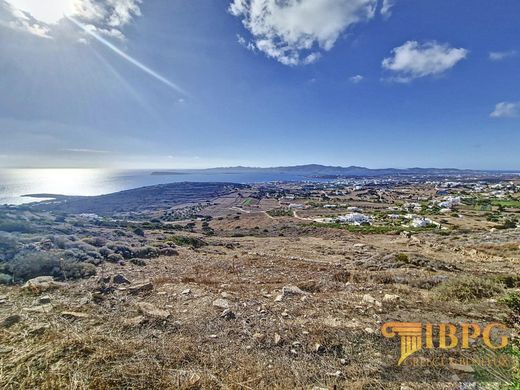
(316, 170)
(161, 196)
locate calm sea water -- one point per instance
(15, 183)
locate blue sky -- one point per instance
(198, 83)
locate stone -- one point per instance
(44, 300)
(134, 321)
(74, 315)
(226, 295)
(42, 283)
(288, 291)
(11, 320)
(149, 310)
(277, 339)
(391, 298)
(318, 348)
(186, 291)
(221, 303)
(120, 279)
(38, 309)
(259, 337)
(461, 368)
(140, 288)
(228, 314)
(367, 298)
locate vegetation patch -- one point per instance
(188, 241)
(468, 288)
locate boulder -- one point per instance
(221, 303)
(140, 288)
(42, 283)
(149, 310)
(288, 291)
(74, 315)
(228, 314)
(120, 279)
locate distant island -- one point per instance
(325, 171)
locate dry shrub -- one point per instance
(468, 288)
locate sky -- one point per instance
(198, 83)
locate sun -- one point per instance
(48, 11)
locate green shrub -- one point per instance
(188, 241)
(139, 232)
(402, 257)
(16, 227)
(468, 288)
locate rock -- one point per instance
(186, 291)
(39, 309)
(74, 315)
(11, 320)
(277, 339)
(150, 310)
(44, 300)
(367, 298)
(42, 283)
(461, 368)
(134, 321)
(226, 295)
(228, 314)
(391, 298)
(140, 288)
(120, 279)
(318, 348)
(288, 291)
(221, 303)
(259, 337)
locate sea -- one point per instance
(16, 184)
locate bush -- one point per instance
(122, 250)
(402, 257)
(168, 252)
(105, 252)
(146, 252)
(138, 231)
(115, 258)
(16, 227)
(8, 247)
(468, 288)
(32, 264)
(512, 301)
(98, 242)
(188, 241)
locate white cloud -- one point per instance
(386, 8)
(356, 79)
(506, 110)
(297, 32)
(106, 17)
(413, 60)
(501, 55)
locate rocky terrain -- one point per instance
(237, 288)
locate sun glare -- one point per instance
(48, 11)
